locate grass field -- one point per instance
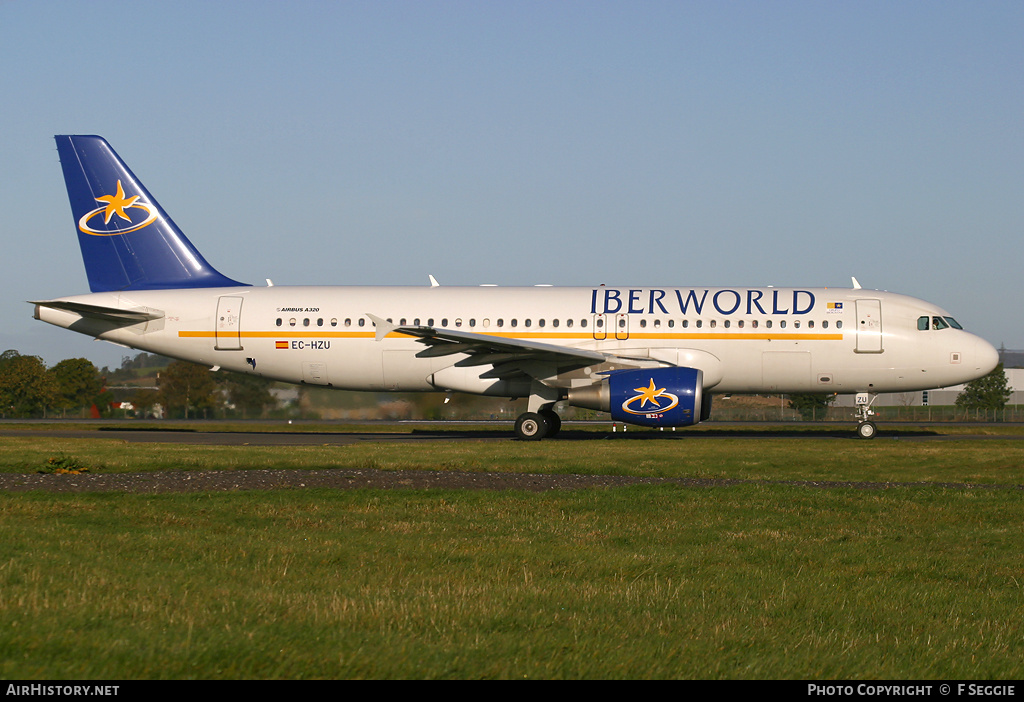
(749, 581)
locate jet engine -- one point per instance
(652, 397)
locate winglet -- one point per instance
(383, 326)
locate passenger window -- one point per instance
(334, 321)
(527, 323)
(291, 322)
(810, 324)
(568, 323)
(540, 322)
(513, 323)
(278, 321)
(472, 323)
(768, 324)
(348, 322)
(728, 324)
(824, 325)
(583, 323)
(458, 322)
(362, 322)
(714, 323)
(782, 324)
(554, 322)
(700, 323)
(839, 324)
(320, 322)
(444, 321)
(643, 323)
(671, 324)
(501, 323)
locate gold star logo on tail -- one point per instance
(117, 204)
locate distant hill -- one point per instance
(1011, 358)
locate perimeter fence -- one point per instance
(947, 413)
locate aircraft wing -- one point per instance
(508, 356)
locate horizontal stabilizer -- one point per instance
(107, 314)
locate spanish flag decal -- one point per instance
(281, 344)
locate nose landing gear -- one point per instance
(866, 428)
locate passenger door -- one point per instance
(228, 330)
(869, 326)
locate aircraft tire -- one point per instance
(531, 426)
(554, 422)
(867, 430)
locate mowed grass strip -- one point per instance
(751, 581)
(985, 461)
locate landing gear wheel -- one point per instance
(531, 426)
(867, 430)
(554, 422)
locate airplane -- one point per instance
(649, 356)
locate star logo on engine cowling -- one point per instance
(649, 394)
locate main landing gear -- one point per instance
(534, 426)
(540, 419)
(866, 428)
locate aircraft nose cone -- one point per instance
(985, 356)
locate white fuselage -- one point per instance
(746, 340)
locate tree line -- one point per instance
(74, 387)
(990, 392)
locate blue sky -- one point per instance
(576, 143)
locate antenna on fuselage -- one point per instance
(856, 285)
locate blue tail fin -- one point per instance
(128, 241)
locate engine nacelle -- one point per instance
(653, 397)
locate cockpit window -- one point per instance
(926, 323)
